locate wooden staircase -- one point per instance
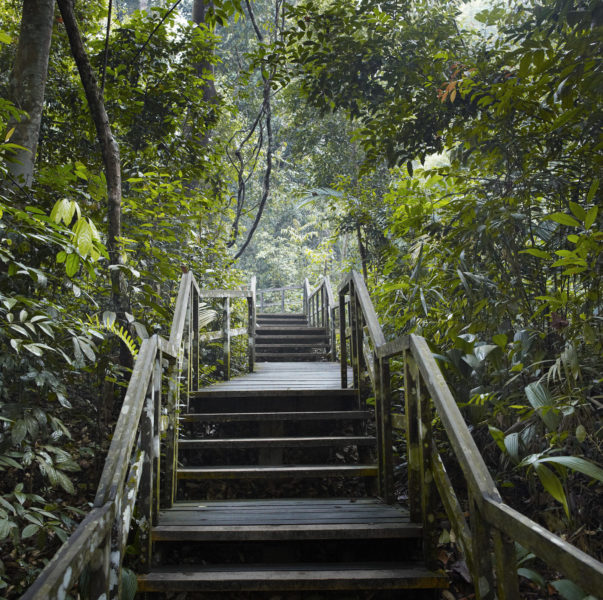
(286, 337)
(265, 462)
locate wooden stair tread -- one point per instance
(285, 577)
(230, 392)
(278, 442)
(301, 356)
(258, 533)
(279, 416)
(276, 471)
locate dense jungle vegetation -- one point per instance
(449, 150)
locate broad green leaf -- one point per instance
(580, 433)
(512, 445)
(541, 400)
(5, 38)
(30, 530)
(577, 211)
(591, 215)
(552, 484)
(576, 464)
(535, 252)
(532, 575)
(500, 339)
(563, 219)
(594, 186)
(498, 436)
(72, 264)
(569, 590)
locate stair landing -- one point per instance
(284, 376)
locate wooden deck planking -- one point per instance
(278, 519)
(285, 376)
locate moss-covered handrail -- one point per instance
(493, 525)
(137, 473)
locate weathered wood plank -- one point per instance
(277, 442)
(278, 416)
(247, 532)
(277, 472)
(282, 577)
(393, 348)
(67, 564)
(476, 473)
(578, 566)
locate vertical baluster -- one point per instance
(383, 397)
(251, 325)
(428, 489)
(354, 335)
(171, 435)
(506, 566)
(482, 561)
(195, 340)
(100, 569)
(226, 337)
(412, 437)
(343, 354)
(147, 442)
(333, 334)
(282, 300)
(157, 414)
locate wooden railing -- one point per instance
(487, 539)
(140, 467)
(285, 297)
(322, 312)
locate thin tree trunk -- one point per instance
(200, 8)
(27, 85)
(109, 150)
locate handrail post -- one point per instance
(306, 298)
(384, 428)
(343, 354)
(195, 339)
(251, 318)
(147, 443)
(100, 584)
(226, 337)
(412, 436)
(506, 566)
(482, 575)
(171, 434)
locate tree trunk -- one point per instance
(200, 8)
(109, 150)
(27, 84)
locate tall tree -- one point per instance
(109, 150)
(27, 84)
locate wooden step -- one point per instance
(281, 316)
(289, 330)
(285, 519)
(327, 415)
(290, 347)
(297, 577)
(277, 442)
(291, 356)
(227, 391)
(276, 472)
(313, 338)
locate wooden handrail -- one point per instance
(491, 520)
(132, 466)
